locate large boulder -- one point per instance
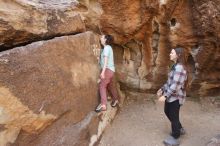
(26, 21)
(49, 83)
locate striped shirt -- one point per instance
(173, 89)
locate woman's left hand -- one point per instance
(162, 99)
(159, 93)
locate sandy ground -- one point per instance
(142, 122)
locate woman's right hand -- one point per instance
(159, 93)
(102, 75)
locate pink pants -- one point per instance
(107, 83)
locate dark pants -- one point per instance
(171, 110)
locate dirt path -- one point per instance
(143, 123)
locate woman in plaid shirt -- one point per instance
(173, 93)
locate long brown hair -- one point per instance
(181, 58)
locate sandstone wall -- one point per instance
(146, 31)
(48, 82)
(22, 22)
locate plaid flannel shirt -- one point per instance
(173, 89)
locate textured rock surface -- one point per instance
(197, 29)
(27, 21)
(58, 77)
(214, 141)
(127, 19)
(130, 23)
(146, 32)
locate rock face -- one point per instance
(214, 141)
(144, 34)
(27, 21)
(130, 23)
(48, 82)
(146, 31)
(195, 29)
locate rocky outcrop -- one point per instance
(130, 23)
(196, 30)
(144, 34)
(22, 22)
(48, 83)
(127, 20)
(146, 31)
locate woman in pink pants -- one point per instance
(107, 73)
